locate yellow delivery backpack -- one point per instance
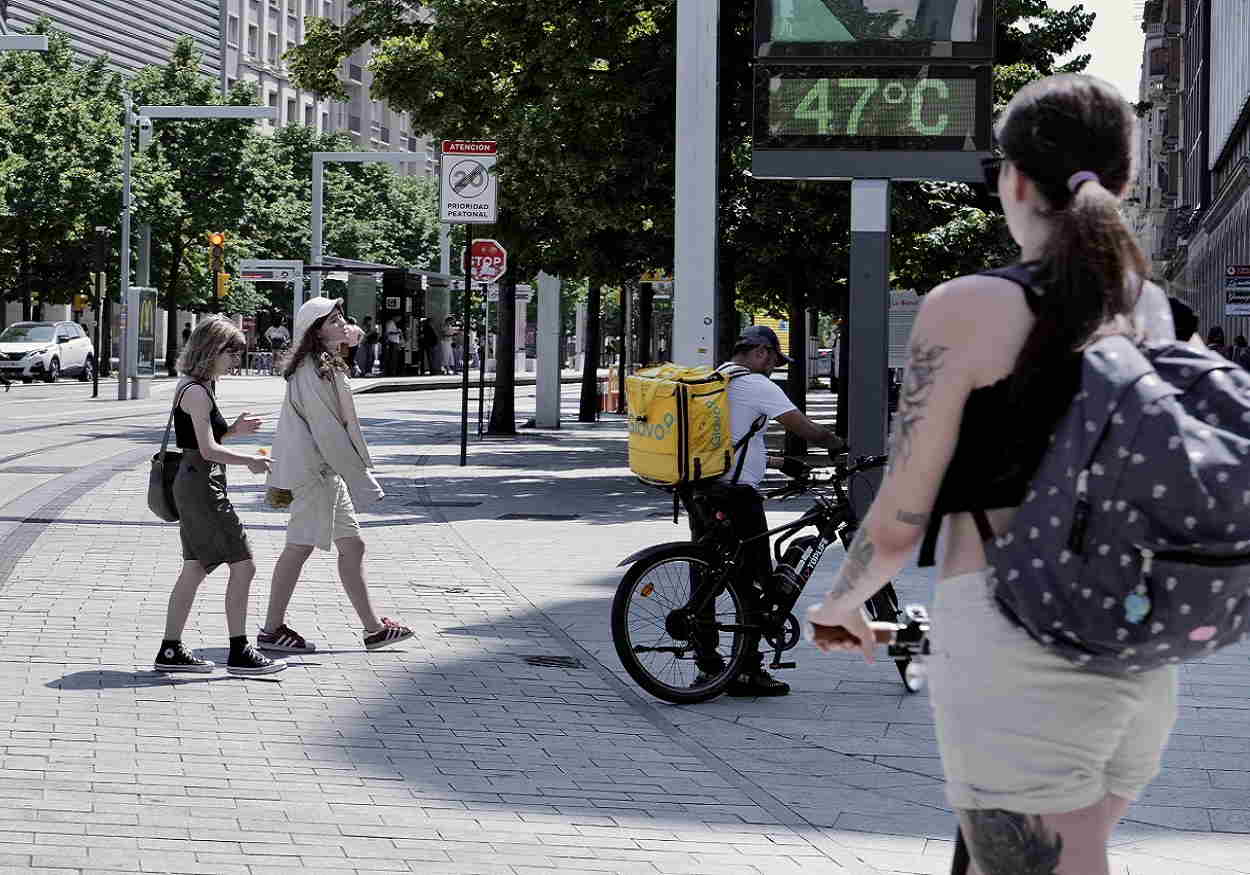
(679, 426)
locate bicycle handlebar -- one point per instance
(838, 473)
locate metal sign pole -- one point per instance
(124, 266)
(869, 303)
(481, 361)
(464, 377)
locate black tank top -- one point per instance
(1002, 437)
(184, 428)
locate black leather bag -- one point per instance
(164, 470)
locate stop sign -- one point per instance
(490, 261)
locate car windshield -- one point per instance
(25, 332)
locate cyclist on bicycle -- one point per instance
(752, 396)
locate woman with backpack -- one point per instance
(321, 460)
(1042, 758)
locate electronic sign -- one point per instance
(922, 108)
(881, 29)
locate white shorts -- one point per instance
(322, 512)
(1020, 728)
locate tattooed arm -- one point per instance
(926, 427)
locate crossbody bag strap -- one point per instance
(928, 547)
(170, 424)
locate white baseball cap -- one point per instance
(313, 309)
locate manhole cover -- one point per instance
(548, 661)
(36, 469)
(555, 517)
(420, 503)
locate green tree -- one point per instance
(60, 141)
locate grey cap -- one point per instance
(762, 335)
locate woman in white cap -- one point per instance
(320, 456)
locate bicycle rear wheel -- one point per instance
(668, 622)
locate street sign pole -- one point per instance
(123, 281)
(464, 377)
(869, 305)
(481, 361)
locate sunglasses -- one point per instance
(991, 168)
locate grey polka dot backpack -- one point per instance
(1132, 547)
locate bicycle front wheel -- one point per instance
(679, 626)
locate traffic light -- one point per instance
(217, 251)
(217, 262)
(81, 302)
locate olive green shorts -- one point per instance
(1020, 728)
(210, 529)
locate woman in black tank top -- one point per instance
(1041, 758)
(208, 526)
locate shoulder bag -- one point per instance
(164, 469)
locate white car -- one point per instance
(45, 351)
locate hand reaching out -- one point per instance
(246, 424)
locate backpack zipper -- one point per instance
(1080, 517)
(1188, 558)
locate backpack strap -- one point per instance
(759, 423)
(1025, 277)
(928, 547)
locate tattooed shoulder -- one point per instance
(1008, 843)
(924, 363)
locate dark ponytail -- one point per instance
(1073, 136)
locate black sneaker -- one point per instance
(757, 683)
(284, 639)
(174, 657)
(251, 661)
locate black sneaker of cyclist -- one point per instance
(754, 681)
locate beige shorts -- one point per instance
(322, 512)
(1020, 728)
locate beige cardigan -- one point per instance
(318, 426)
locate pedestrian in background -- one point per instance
(210, 530)
(368, 347)
(1216, 342)
(355, 334)
(186, 333)
(393, 350)
(1041, 758)
(1240, 353)
(428, 340)
(320, 455)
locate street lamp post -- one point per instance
(320, 159)
(142, 117)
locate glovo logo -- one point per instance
(657, 430)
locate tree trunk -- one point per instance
(796, 381)
(588, 409)
(503, 410)
(728, 323)
(24, 257)
(646, 306)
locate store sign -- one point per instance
(1237, 290)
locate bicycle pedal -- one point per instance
(783, 665)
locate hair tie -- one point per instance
(1076, 180)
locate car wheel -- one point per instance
(88, 371)
(54, 371)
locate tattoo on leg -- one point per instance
(912, 519)
(1007, 843)
(923, 364)
(855, 568)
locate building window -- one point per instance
(230, 83)
(355, 73)
(309, 119)
(273, 48)
(325, 122)
(353, 124)
(292, 30)
(386, 136)
(327, 9)
(273, 100)
(253, 40)
(292, 117)
(232, 30)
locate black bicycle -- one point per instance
(681, 621)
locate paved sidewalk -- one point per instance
(504, 737)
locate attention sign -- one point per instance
(469, 186)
